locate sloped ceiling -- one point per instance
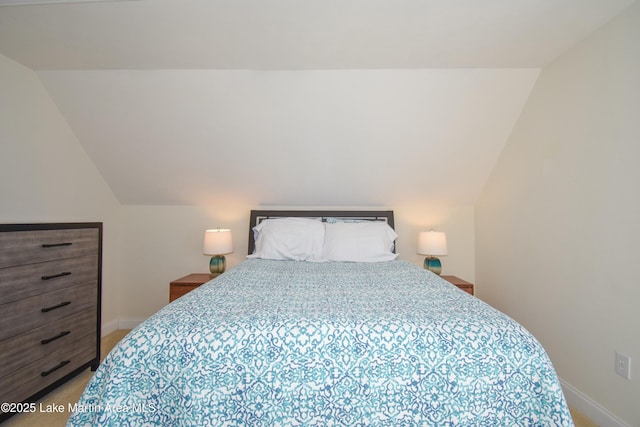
(298, 34)
(293, 137)
(295, 102)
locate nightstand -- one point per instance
(462, 284)
(186, 284)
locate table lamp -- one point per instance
(432, 243)
(217, 242)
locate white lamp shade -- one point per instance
(217, 242)
(432, 243)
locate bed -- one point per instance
(317, 342)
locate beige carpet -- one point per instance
(70, 393)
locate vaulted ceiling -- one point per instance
(298, 34)
(338, 102)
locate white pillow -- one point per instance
(370, 241)
(298, 239)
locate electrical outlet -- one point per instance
(623, 366)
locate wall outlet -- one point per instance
(623, 366)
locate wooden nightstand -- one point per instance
(186, 284)
(462, 284)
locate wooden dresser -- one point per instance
(50, 295)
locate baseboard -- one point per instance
(114, 325)
(590, 408)
(129, 323)
(108, 327)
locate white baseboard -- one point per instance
(129, 323)
(114, 325)
(108, 327)
(590, 408)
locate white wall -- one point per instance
(45, 175)
(164, 243)
(557, 226)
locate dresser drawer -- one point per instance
(37, 375)
(28, 280)
(34, 312)
(36, 344)
(28, 247)
(50, 298)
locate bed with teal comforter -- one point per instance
(286, 343)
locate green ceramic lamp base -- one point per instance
(433, 264)
(217, 264)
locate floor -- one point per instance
(580, 420)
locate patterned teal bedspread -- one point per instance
(286, 343)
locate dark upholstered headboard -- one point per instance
(259, 215)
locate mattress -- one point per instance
(286, 343)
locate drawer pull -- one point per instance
(55, 245)
(54, 276)
(60, 335)
(55, 368)
(53, 307)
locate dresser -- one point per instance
(50, 296)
